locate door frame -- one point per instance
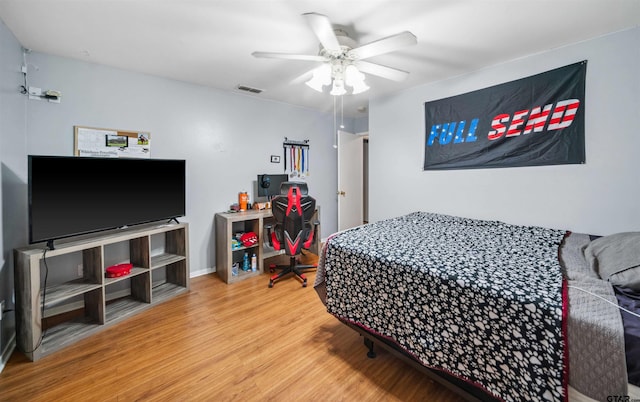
(361, 173)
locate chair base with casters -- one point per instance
(293, 267)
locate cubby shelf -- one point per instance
(155, 277)
(123, 308)
(164, 260)
(58, 293)
(65, 334)
(134, 271)
(227, 224)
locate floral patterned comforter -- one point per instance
(481, 300)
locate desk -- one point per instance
(227, 224)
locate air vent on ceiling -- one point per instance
(249, 89)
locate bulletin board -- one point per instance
(109, 143)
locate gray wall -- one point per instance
(13, 196)
(360, 125)
(599, 197)
(227, 138)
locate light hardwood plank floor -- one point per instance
(223, 342)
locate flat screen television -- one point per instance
(70, 195)
(269, 184)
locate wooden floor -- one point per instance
(222, 342)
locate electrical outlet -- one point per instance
(80, 273)
(35, 93)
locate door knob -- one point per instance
(342, 193)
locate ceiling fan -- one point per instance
(343, 60)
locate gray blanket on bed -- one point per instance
(597, 365)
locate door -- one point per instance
(350, 180)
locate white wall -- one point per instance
(227, 138)
(599, 197)
(360, 124)
(13, 196)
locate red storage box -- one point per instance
(117, 270)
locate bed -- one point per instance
(498, 311)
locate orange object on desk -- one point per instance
(243, 199)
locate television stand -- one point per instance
(160, 257)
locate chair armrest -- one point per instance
(269, 227)
(316, 223)
(313, 233)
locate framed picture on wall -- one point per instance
(118, 141)
(104, 142)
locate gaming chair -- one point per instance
(293, 230)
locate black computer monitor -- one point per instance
(269, 184)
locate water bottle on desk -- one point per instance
(245, 262)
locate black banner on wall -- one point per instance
(533, 121)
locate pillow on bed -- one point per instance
(572, 257)
(616, 258)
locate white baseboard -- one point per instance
(201, 272)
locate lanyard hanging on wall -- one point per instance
(297, 153)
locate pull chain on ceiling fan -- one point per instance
(343, 61)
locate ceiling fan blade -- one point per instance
(321, 26)
(288, 56)
(381, 71)
(384, 45)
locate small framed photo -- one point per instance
(275, 158)
(143, 139)
(114, 140)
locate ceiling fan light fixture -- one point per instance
(321, 77)
(355, 79)
(338, 88)
(314, 84)
(359, 88)
(352, 75)
(343, 59)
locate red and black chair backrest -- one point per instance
(292, 212)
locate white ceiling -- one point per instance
(209, 42)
